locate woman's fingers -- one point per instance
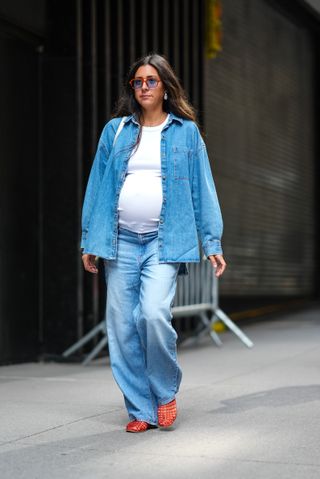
(89, 263)
(218, 263)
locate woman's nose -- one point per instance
(144, 85)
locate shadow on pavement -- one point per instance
(286, 396)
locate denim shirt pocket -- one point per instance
(181, 162)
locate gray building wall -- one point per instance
(259, 121)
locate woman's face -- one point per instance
(149, 98)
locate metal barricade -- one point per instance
(196, 295)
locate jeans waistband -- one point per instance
(138, 236)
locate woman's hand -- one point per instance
(89, 263)
(218, 263)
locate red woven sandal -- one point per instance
(167, 414)
(138, 426)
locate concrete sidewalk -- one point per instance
(242, 414)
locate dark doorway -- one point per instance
(19, 193)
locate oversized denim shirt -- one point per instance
(190, 209)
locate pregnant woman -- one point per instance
(150, 197)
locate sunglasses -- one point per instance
(151, 82)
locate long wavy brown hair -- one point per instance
(177, 101)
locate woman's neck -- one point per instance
(153, 118)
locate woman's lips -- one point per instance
(145, 96)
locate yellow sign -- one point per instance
(213, 28)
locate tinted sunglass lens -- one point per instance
(152, 82)
(137, 84)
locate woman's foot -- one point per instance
(167, 414)
(138, 426)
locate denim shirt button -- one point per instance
(161, 220)
(163, 177)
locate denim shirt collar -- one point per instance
(172, 117)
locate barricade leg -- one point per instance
(199, 333)
(86, 338)
(101, 344)
(233, 327)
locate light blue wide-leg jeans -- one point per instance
(141, 338)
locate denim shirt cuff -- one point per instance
(212, 247)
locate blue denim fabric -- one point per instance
(190, 208)
(142, 341)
